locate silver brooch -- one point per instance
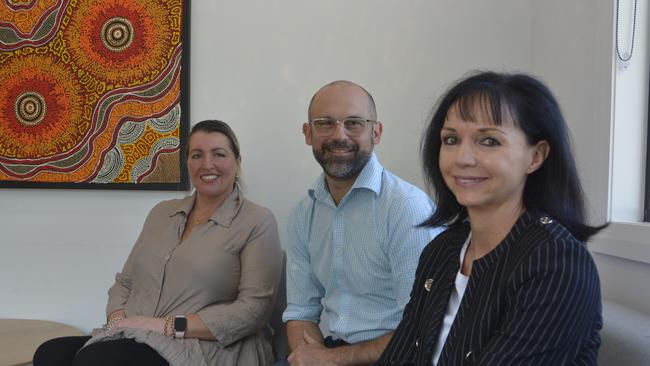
(545, 220)
(427, 284)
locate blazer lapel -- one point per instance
(442, 275)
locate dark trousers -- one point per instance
(329, 342)
(67, 351)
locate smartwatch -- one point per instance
(180, 326)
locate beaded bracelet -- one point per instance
(111, 323)
(168, 330)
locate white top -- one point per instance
(453, 305)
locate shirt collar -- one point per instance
(369, 178)
(223, 215)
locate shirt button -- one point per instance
(167, 257)
(417, 344)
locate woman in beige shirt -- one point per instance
(200, 282)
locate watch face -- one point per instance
(180, 324)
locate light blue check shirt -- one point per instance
(356, 261)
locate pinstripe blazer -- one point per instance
(533, 300)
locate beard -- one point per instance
(342, 167)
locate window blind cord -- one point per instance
(626, 56)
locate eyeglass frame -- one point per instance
(342, 122)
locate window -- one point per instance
(629, 185)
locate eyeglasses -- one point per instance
(353, 126)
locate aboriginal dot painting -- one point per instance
(93, 93)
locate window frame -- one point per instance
(646, 200)
(628, 196)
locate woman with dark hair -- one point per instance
(510, 281)
(200, 282)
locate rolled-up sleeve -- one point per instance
(261, 261)
(119, 293)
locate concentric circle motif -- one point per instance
(117, 34)
(42, 106)
(121, 42)
(30, 108)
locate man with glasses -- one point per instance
(354, 240)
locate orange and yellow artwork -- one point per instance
(94, 93)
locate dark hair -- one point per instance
(553, 189)
(213, 125)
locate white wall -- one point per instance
(572, 54)
(255, 64)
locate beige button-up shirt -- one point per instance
(227, 271)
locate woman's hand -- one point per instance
(142, 322)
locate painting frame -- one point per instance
(182, 103)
